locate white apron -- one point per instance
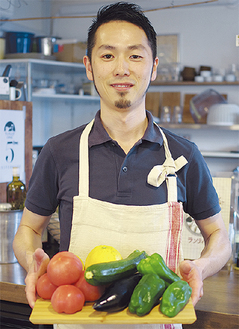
(155, 228)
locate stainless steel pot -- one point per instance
(9, 222)
(45, 45)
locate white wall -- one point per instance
(16, 9)
(207, 33)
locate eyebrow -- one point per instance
(133, 47)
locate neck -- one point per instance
(125, 127)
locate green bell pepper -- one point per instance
(145, 295)
(156, 264)
(175, 298)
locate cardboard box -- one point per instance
(192, 239)
(73, 52)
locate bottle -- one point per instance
(16, 191)
(177, 115)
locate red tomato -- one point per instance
(45, 288)
(90, 292)
(64, 268)
(67, 299)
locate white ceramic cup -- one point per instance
(14, 93)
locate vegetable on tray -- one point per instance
(108, 272)
(156, 264)
(175, 298)
(146, 294)
(137, 282)
(117, 295)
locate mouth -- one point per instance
(122, 87)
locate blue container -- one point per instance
(19, 42)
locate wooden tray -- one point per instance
(43, 313)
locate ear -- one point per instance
(88, 68)
(154, 70)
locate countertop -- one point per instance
(218, 305)
(12, 285)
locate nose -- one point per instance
(121, 67)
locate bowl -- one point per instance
(205, 74)
(199, 78)
(223, 114)
(188, 73)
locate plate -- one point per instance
(43, 313)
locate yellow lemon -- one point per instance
(102, 254)
(83, 267)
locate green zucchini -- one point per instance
(104, 273)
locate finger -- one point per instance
(43, 266)
(201, 293)
(31, 297)
(41, 261)
(197, 294)
(30, 289)
(185, 268)
(195, 297)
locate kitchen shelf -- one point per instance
(30, 69)
(66, 97)
(43, 62)
(199, 126)
(193, 83)
(209, 154)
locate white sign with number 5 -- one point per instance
(12, 145)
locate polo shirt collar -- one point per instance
(99, 135)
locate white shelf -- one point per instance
(209, 154)
(42, 62)
(194, 83)
(66, 97)
(198, 126)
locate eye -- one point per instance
(107, 56)
(136, 57)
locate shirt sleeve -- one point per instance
(201, 197)
(43, 187)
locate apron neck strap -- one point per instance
(84, 161)
(171, 180)
(84, 165)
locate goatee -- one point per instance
(122, 103)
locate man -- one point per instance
(133, 176)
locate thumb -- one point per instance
(185, 268)
(42, 260)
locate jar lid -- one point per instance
(5, 206)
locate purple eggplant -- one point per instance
(117, 295)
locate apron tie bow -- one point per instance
(159, 173)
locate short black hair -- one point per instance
(122, 11)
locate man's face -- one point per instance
(121, 65)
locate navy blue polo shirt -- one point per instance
(116, 177)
